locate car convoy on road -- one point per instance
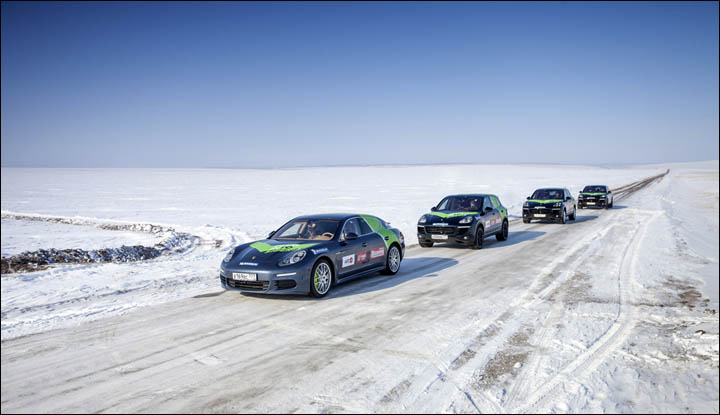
(310, 254)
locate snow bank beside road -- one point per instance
(257, 201)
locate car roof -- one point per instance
(333, 216)
(550, 188)
(469, 194)
(596, 185)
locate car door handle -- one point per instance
(364, 244)
(387, 238)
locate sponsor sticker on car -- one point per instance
(540, 215)
(348, 260)
(439, 236)
(377, 252)
(361, 257)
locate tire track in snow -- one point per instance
(541, 399)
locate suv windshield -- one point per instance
(308, 230)
(594, 189)
(548, 194)
(463, 203)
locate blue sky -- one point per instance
(302, 84)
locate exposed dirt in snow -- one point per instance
(174, 242)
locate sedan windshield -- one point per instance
(308, 230)
(547, 194)
(594, 189)
(463, 203)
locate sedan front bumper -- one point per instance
(278, 281)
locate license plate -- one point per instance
(589, 203)
(539, 215)
(242, 276)
(439, 237)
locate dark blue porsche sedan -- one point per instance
(310, 254)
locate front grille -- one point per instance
(246, 285)
(443, 230)
(285, 284)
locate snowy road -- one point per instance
(556, 318)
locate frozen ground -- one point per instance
(614, 312)
(19, 236)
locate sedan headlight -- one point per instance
(557, 204)
(423, 219)
(466, 219)
(292, 258)
(229, 255)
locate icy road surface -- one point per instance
(603, 314)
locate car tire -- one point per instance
(392, 260)
(526, 220)
(479, 237)
(321, 278)
(503, 235)
(562, 219)
(426, 244)
(611, 204)
(572, 217)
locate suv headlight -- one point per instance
(557, 204)
(229, 255)
(526, 204)
(580, 196)
(292, 258)
(466, 219)
(423, 219)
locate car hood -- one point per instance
(269, 251)
(451, 217)
(538, 202)
(593, 194)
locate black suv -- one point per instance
(550, 203)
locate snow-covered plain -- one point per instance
(614, 313)
(232, 206)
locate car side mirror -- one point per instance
(270, 235)
(351, 236)
(433, 209)
(527, 198)
(488, 209)
(609, 191)
(567, 199)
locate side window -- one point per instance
(444, 204)
(364, 227)
(495, 201)
(294, 230)
(350, 227)
(567, 194)
(487, 203)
